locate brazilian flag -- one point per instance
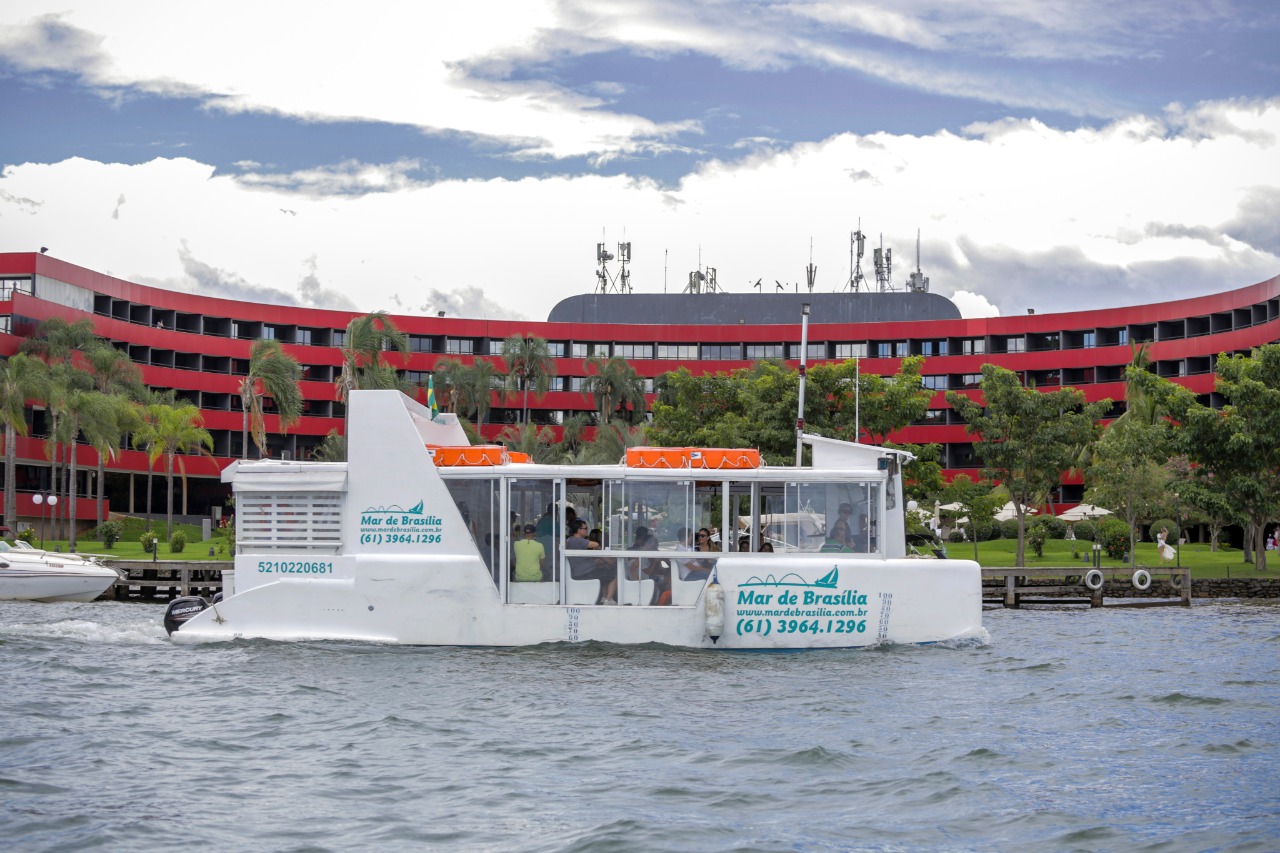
(431, 396)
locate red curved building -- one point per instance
(199, 346)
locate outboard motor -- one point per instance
(181, 609)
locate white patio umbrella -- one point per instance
(1084, 512)
(1007, 512)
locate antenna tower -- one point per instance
(883, 260)
(606, 282)
(811, 272)
(858, 241)
(918, 282)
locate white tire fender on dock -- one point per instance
(1175, 580)
(1141, 579)
(714, 608)
(1094, 579)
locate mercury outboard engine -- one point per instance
(181, 609)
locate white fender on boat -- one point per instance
(1141, 579)
(714, 606)
(1094, 579)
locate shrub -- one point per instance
(1154, 530)
(148, 540)
(1009, 529)
(1055, 528)
(177, 542)
(987, 531)
(1114, 535)
(109, 532)
(28, 535)
(1038, 530)
(955, 536)
(1085, 530)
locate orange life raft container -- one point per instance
(477, 454)
(693, 457)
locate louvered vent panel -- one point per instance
(294, 522)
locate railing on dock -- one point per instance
(146, 579)
(1162, 586)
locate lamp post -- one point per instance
(804, 347)
(1177, 520)
(40, 501)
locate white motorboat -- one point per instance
(411, 541)
(29, 574)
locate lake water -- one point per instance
(1068, 730)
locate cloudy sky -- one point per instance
(468, 157)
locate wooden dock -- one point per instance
(1168, 586)
(168, 578)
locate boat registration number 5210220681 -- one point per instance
(295, 567)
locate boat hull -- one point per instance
(798, 603)
(44, 583)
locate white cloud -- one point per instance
(974, 304)
(445, 68)
(1025, 216)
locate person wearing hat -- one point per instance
(530, 556)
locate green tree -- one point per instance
(114, 374)
(332, 449)
(21, 378)
(615, 386)
(145, 433)
(178, 430)
(1026, 438)
(1126, 477)
(363, 367)
(1240, 445)
(977, 502)
(529, 365)
(57, 343)
(272, 373)
(537, 442)
(95, 415)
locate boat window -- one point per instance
(479, 502)
(825, 516)
(661, 507)
(536, 503)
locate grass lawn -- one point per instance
(130, 547)
(1225, 562)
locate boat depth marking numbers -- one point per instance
(886, 608)
(572, 622)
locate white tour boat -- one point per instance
(29, 574)
(411, 541)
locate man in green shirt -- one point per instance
(530, 555)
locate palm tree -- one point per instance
(450, 376)
(611, 442)
(272, 373)
(55, 342)
(615, 385)
(114, 373)
(145, 434)
(362, 365)
(107, 437)
(55, 339)
(529, 363)
(63, 382)
(94, 414)
(21, 378)
(537, 442)
(572, 431)
(178, 429)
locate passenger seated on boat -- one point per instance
(639, 568)
(766, 547)
(837, 539)
(698, 570)
(530, 557)
(593, 568)
(744, 543)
